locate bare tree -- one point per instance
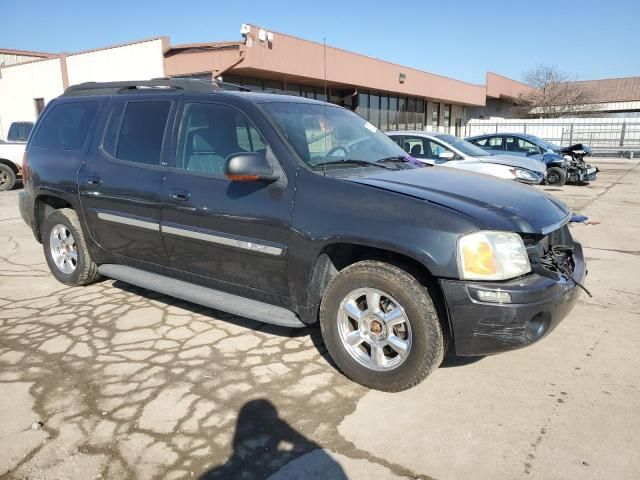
(553, 94)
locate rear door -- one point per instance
(231, 235)
(120, 184)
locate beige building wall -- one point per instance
(135, 61)
(21, 84)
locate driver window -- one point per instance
(519, 145)
(210, 133)
(435, 149)
(414, 146)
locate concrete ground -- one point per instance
(130, 384)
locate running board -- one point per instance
(226, 302)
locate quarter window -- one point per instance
(66, 126)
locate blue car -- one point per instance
(564, 164)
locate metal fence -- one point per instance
(606, 136)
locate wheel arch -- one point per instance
(11, 165)
(43, 206)
(334, 257)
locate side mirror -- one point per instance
(248, 167)
(446, 155)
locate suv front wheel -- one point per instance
(66, 250)
(381, 327)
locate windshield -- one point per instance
(544, 143)
(462, 145)
(326, 134)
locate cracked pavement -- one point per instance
(133, 384)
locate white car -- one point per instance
(11, 153)
(10, 163)
(449, 151)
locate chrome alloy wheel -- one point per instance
(374, 329)
(63, 249)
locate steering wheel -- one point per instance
(336, 149)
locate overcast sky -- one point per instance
(461, 39)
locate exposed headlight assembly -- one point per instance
(526, 175)
(489, 255)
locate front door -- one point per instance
(522, 148)
(120, 183)
(229, 234)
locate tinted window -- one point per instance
(210, 133)
(65, 127)
(19, 131)
(520, 145)
(496, 143)
(113, 127)
(142, 131)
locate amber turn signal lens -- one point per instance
(478, 258)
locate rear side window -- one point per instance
(135, 131)
(66, 126)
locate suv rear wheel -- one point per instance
(381, 327)
(66, 250)
(7, 177)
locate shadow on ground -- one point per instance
(264, 441)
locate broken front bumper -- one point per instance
(537, 306)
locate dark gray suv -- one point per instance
(292, 212)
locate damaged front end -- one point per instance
(578, 170)
(493, 317)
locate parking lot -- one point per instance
(128, 383)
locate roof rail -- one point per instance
(112, 88)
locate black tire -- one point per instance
(428, 341)
(7, 177)
(85, 271)
(556, 176)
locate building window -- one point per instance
(435, 116)
(402, 113)
(39, 104)
(384, 112)
(447, 115)
(420, 114)
(374, 110)
(393, 113)
(411, 113)
(363, 105)
(292, 89)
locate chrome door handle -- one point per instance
(180, 195)
(92, 180)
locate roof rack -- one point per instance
(111, 88)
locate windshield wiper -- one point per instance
(363, 163)
(403, 159)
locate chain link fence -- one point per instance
(606, 136)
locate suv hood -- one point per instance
(513, 161)
(492, 203)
